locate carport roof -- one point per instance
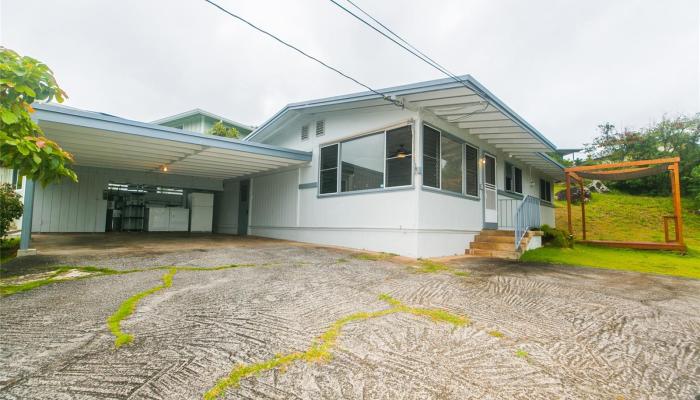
(103, 140)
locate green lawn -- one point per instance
(619, 216)
(647, 261)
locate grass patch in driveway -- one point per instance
(10, 286)
(646, 261)
(320, 349)
(129, 306)
(372, 256)
(431, 266)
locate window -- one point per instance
(471, 157)
(546, 190)
(320, 127)
(362, 163)
(399, 157)
(513, 178)
(304, 132)
(450, 165)
(329, 169)
(431, 154)
(375, 161)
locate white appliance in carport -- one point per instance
(167, 219)
(201, 211)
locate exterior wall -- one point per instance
(79, 207)
(226, 208)
(382, 220)
(547, 215)
(415, 222)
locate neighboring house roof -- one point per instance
(103, 140)
(466, 104)
(199, 111)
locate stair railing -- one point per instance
(526, 216)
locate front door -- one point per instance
(490, 193)
(243, 198)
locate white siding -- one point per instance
(77, 207)
(274, 199)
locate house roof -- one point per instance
(199, 111)
(103, 140)
(466, 104)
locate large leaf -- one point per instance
(8, 116)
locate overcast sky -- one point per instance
(565, 66)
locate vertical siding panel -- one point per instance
(38, 204)
(55, 208)
(82, 198)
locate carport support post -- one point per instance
(568, 202)
(26, 235)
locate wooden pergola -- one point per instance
(631, 170)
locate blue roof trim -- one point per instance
(89, 119)
(438, 84)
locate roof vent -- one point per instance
(320, 128)
(304, 132)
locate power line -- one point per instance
(408, 46)
(305, 54)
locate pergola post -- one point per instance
(582, 197)
(568, 202)
(676, 193)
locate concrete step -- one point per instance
(494, 232)
(512, 255)
(495, 238)
(493, 246)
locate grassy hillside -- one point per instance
(619, 216)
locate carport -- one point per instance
(155, 153)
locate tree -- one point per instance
(219, 129)
(669, 138)
(23, 145)
(10, 207)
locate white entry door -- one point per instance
(490, 193)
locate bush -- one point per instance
(10, 208)
(556, 237)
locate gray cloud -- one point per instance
(566, 66)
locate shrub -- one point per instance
(556, 237)
(10, 208)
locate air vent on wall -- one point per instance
(304, 132)
(320, 127)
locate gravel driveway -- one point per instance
(536, 332)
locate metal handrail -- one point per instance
(526, 216)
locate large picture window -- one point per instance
(362, 165)
(370, 162)
(449, 164)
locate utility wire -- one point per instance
(408, 46)
(305, 54)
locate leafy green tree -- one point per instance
(23, 145)
(219, 129)
(668, 138)
(10, 207)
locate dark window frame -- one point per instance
(463, 144)
(516, 178)
(339, 163)
(546, 190)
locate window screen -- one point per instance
(508, 177)
(545, 190)
(362, 163)
(431, 155)
(518, 176)
(451, 164)
(329, 169)
(490, 170)
(399, 156)
(472, 167)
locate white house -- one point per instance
(419, 171)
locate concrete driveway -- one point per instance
(535, 332)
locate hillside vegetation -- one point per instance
(619, 216)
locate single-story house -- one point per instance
(419, 170)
